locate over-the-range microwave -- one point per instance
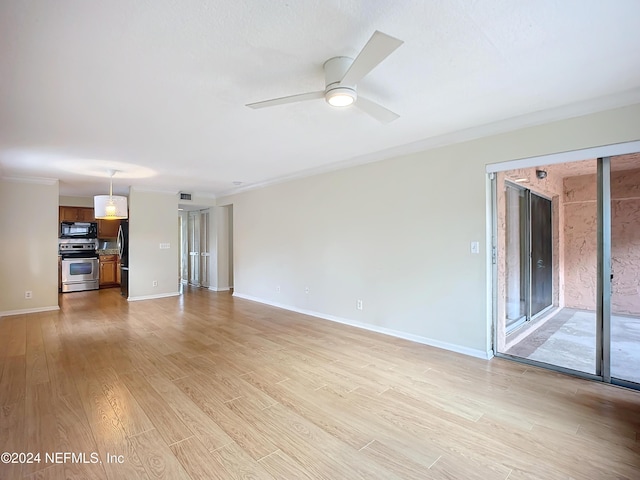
(78, 230)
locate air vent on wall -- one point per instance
(185, 196)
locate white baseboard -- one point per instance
(29, 310)
(219, 289)
(373, 328)
(151, 297)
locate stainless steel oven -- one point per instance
(79, 264)
(80, 274)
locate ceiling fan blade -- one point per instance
(379, 47)
(376, 110)
(301, 97)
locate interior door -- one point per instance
(541, 254)
(193, 232)
(184, 252)
(205, 255)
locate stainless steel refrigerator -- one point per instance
(123, 251)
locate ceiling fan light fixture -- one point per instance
(341, 96)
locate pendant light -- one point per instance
(110, 207)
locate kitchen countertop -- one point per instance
(108, 251)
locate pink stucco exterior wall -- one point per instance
(574, 237)
(581, 244)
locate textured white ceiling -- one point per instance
(157, 88)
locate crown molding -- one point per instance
(541, 117)
(153, 190)
(34, 180)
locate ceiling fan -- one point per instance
(342, 74)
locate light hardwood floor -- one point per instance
(207, 386)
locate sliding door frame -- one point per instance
(603, 303)
(603, 307)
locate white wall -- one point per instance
(395, 234)
(199, 202)
(219, 237)
(153, 219)
(76, 201)
(29, 245)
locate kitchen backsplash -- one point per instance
(107, 245)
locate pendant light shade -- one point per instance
(110, 207)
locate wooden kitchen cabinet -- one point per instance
(86, 215)
(76, 214)
(68, 214)
(108, 270)
(108, 228)
(118, 272)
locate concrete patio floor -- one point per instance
(568, 340)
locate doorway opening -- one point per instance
(195, 245)
(528, 255)
(206, 247)
(567, 265)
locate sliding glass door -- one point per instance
(541, 254)
(566, 256)
(516, 256)
(546, 238)
(528, 255)
(624, 212)
(568, 269)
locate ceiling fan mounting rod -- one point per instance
(336, 93)
(334, 70)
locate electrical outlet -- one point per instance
(306, 289)
(28, 294)
(359, 304)
(155, 283)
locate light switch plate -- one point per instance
(475, 247)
